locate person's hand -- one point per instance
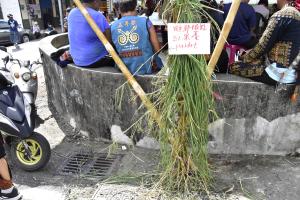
(240, 54)
(244, 52)
(243, 55)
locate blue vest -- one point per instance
(131, 38)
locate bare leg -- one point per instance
(4, 171)
(5, 178)
(7, 189)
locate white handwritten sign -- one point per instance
(189, 38)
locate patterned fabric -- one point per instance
(132, 40)
(280, 43)
(281, 52)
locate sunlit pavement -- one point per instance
(27, 51)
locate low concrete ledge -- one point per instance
(253, 118)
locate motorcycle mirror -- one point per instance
(3, 48)
(6, 59)
(4, 69)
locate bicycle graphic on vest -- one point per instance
(128, 36)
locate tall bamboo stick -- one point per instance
(132, 81)
(223, 36)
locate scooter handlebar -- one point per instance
(13, 59)
(35, 63)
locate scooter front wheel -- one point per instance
(32, 153)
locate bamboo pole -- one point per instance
(132, 81)
(223, 36)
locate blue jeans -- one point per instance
(14, 37)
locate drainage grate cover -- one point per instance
(90, 165)
(76, 163)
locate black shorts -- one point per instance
(2, 150)
(106, 61)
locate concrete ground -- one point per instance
(236, 177)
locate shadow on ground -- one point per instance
(255, 177)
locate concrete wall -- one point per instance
(253, 118)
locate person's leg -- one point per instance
(222, 64)
(7, 189)
(16, 39)
(37, 35)
(247, 70)
(251, 43)
(106, 61)
(11, 37)
(253, 71)
(164, 35)
(4, 171)
(265, 78)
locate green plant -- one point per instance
(186, 103)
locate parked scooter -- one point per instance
(26, 79)
(29, 150)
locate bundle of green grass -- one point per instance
(186, 104)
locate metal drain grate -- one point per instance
(75, 164)
(90, 165)
(102, 166)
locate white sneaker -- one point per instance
(12, 195)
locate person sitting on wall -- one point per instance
(85, 47)
(36, 30)
(222, 64)
(280, 43)
(242, 31)
(262, 8)
(150, 5)
(135, 40)
(262, 15)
